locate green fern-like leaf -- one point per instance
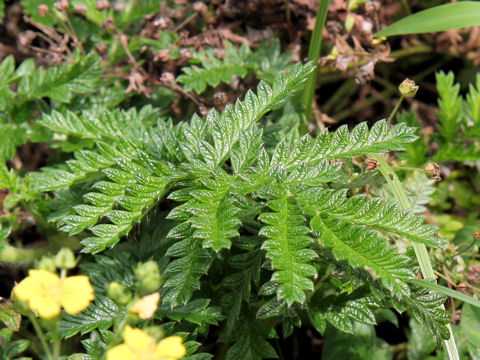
(100, 314)
(60, 83)
(211, 212)
(269, 60)
(425, 308)
(126, 179)
(287, 246)
(117, 266)
(458, 152)
(185, 271)
(363, 344)
(342, 310)
(127, 182)
(126, 193)
(473, 101)
(245, 152)
(212, 70)
(227, 128)
(209, 217)
(344, 144)
(135, 194)
(113, 125)
(250, 340)
(197, 312)
(459, 132)
(372, 213)
(11, 136)
(238, 285)
(419, 189)
(95, 345)
(416, 152)
(362, 248)
(450, 103)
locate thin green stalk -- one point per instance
(413, 50)
(313, 55)
(344, 91)
(394, 111)
(56, 343)
(10, 254)
(406, 7)
(357, 107)
(320, 282)
(420, 249)
(41, 336)
(446, 291)
(397, 188)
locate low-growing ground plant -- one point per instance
(217, 232)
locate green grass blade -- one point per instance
(446, 291)
(420, 249)
(313, 55)
(439, 18)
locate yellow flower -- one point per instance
(146, 306)
(45, 292)
(139, 345)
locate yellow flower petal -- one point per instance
(171, 348)
(35, 283)
(26, 289)
(121, 352)
(43, 276)
(44, 306)
(77, 293)
(45, 292)
(137, 339)
(146, 306)
(40, 288)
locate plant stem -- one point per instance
(10, 254)
(314, 50)
(394, 111)
(413, 50)
(56, 343)
(344, 91)
(41, 336)
(406, 7)
(63, 274)
(357, 107)
(420, 249)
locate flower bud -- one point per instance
(109, 24)
(434, 171)
(46, 263)
(102, 5)
(118, 293)
(61, 5)
(80, 9)
(65, 259)
(149, 277)
(408, 88)
(42, 10)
